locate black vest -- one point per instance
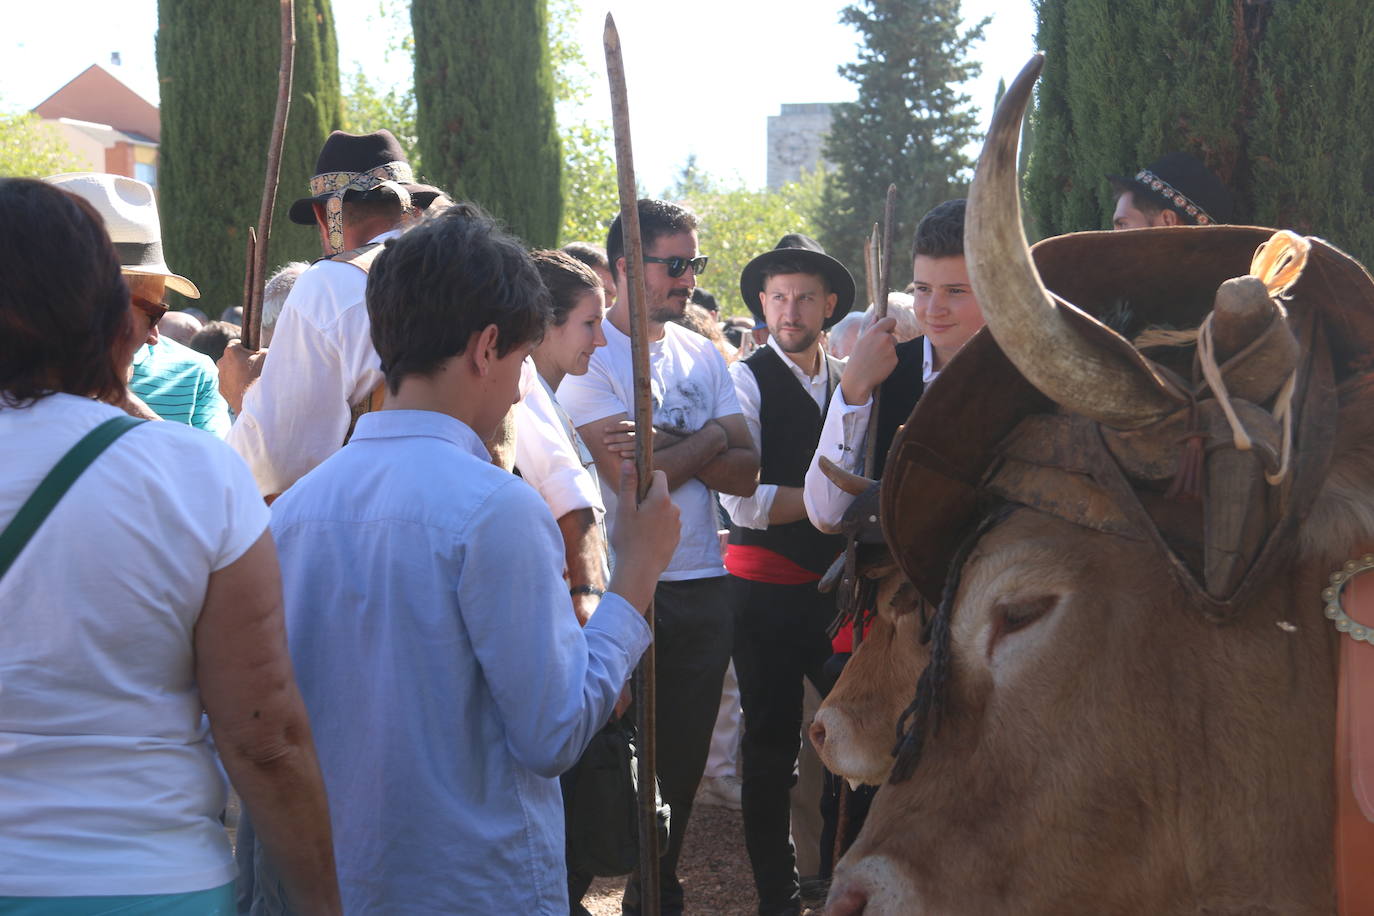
(790, 427)
(901, 391)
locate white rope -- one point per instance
(1278, 263)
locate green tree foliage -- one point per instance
(591, 197)
(739, 223)
(484, 93)
(1261, 92)
(369, 107)
(1125, 82)
(31, 149)
(910, 126)
(217, 65)
(1309, 147)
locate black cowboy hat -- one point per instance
(1180, 182)
(344, 152)
(797, 248)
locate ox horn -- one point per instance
(1027, 322)
(849, 482)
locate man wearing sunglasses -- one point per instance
(702, 444)
(173, 381)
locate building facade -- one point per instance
(105, 123)
(796, 138)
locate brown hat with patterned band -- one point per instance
(354, 165)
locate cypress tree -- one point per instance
(217, 64)
(1259, 91)
(1309, 146)
(910, 126)
(484, 94)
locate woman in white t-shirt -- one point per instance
(148, 598)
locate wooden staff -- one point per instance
(257, 246)
(879, 276)
(645, 699)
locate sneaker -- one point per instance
(721, 791)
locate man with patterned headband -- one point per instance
(324, 367)
(1174, 190)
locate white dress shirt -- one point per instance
(842, 441)
(320, 362)
(752, 511)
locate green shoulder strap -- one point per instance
(30, 515)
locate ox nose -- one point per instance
(817, 735)
(852, 901)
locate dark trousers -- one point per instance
(692, 635)
(779, 639)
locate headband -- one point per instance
(337, 184)
(1174, 196)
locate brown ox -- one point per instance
(855, 728)
(1128, 704)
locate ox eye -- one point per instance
(1018, 615)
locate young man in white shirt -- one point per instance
(949, 315)
(702, 444)
(776, 556)
(447, 679)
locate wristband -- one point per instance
(586, 590)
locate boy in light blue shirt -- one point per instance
(433, 634)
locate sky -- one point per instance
(703, 78)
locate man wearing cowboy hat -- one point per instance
(1174, 190)
(324, 365)
(175, 382)
(775, 555)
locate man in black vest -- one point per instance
(949, 315)
(775, 555)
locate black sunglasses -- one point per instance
(154, 310)
(678, 266)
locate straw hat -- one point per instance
(130, 213)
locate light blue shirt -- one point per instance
(447, 680)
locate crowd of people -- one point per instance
(389, 574)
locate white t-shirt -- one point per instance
(690, 386)
(108, 782)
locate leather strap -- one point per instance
(41, 502)
(1355, 758)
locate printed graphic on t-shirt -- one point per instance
(686, 409)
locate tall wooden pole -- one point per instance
(257, 247)
(878, 277)
(645, 686)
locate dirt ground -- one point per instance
(714, 870)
